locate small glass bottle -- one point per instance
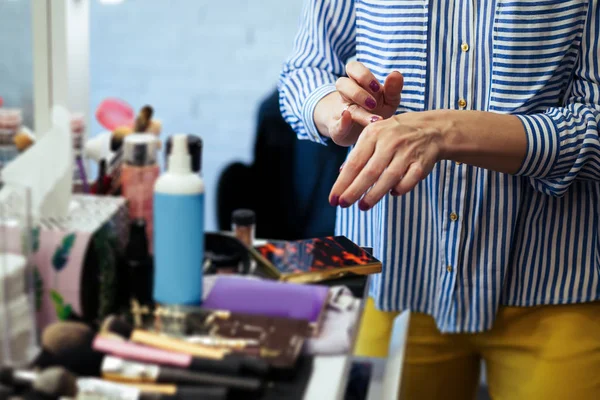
(244, 226)
(138, 175)
(11, 120)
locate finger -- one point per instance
(392, 88)
(358, 158)
(413, 176)
(352, 92)
(362, 116)
(341, 130)
(365, 78)
(369, 175)
(389, 179)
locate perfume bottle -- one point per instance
(138, 175)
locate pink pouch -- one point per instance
(269, 298)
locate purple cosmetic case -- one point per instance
(269, 298)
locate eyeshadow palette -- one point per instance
(314, 260)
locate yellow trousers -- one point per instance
(544, 352)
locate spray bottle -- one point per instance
(178, 230)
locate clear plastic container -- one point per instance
(18, 241)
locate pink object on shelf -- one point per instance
(113, 113)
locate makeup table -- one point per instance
(330, 373)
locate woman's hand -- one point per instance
(359, 101)
(390, 155)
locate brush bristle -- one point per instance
(118, 326)
(70, 343)
(6, 376)
(56, 381)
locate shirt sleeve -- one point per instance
(323, 45)
(564, 142)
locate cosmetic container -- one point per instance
(179, 230)
(138, 175)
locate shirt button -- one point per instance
(449, 268)
(464, 47)
(453, 217)
(462, 103)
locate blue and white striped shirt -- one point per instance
(467, 240)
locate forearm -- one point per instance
(497, 142)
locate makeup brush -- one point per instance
(121, 327)
(135, 352)
(118, 136)
(250, 364)
(53, 381)
(69, 344)
(5, 392)
(56, 382)
(118, 369)
(142, 122)
(91, 387)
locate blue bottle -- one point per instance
(178, 230)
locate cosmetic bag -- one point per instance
(269, 298)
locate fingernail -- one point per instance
(370, 103)
(394, 193)
(342, 166)
(344, 204)
(344, 112)
(374, 85)
(375, 118)
(334, 201)
(363, 205)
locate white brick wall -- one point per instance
(203, 64)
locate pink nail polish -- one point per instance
(342, 166)
(394, 193)
(370, 103)
(375, 118)
(374, 85)
(344, 204)
(344, 112)
(363, 205)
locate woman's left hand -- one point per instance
(391, 155)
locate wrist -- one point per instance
(443, 125)
(322, 112)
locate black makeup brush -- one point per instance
(118, 369)
(53, 381)
(56, 382)
(69, 344)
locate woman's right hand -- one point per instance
(358, 101)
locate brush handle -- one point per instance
(189, 393)
(181, 376)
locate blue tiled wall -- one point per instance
(16, 56)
